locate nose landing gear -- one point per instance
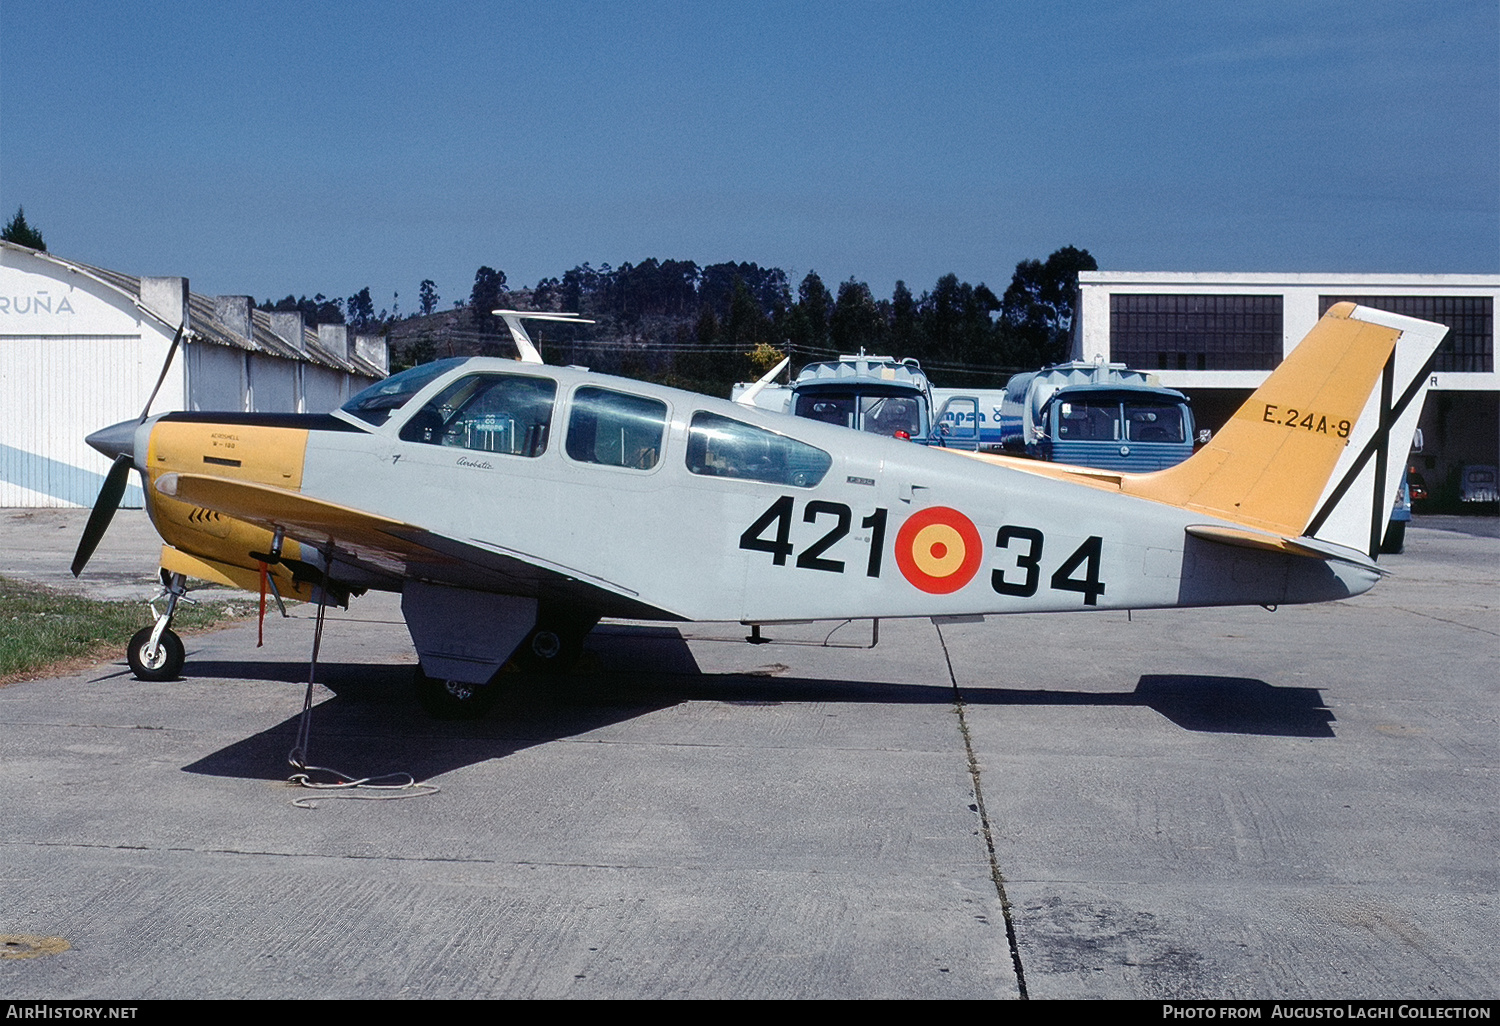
(156, 652)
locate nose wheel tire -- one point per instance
(162, 663)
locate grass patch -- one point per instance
(41, 630)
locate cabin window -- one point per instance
(720, 447)
(616, 429)
(499, 413)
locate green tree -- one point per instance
(1039, 306)
(360, 308)
(767, 285)
(317, 310)
(545, 294)
(906, 334)
(579, 287)
(484, 298)
(807, 324)
(956, 322)
(697, 368)
(857, 322)
(21, 233)
(427, 296)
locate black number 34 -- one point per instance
(1029, 559)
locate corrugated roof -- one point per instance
(205, 326)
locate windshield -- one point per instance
(880, 414)
(1089, 420)
(890, 414)
(829, 408)
(1154, 422)
(376, 404)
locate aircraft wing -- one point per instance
(401, 551)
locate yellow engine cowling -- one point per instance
(205, 543)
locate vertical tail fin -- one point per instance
(1318, 448)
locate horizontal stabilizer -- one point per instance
(1309, 548)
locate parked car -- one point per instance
(1416, 484)
(1478, 484)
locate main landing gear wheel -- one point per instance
(554, 645)
(454, 699)
(164, 662)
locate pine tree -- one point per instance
(21, 233)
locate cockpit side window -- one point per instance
(615, 429)
(720, 447)
(501, 413)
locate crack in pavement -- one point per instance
(984, 820)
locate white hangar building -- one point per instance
(81, 348)
(1216, 337)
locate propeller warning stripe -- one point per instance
(938, 550)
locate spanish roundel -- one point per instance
(938, 550)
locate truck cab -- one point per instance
(878, 394)
(1115, 428)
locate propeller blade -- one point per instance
(119, 472)
(104, 511)
(177, 338)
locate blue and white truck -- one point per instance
(1095, 415)
(1102, 415)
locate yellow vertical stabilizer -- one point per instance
(1269, 465)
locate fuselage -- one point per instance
(706, 510)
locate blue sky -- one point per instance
(274, 148)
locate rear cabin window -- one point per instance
(720, 447)
(616, 429)
(501, 413)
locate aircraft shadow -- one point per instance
(374, 725)
(1209, 704)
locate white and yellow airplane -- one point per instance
(513, 504)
